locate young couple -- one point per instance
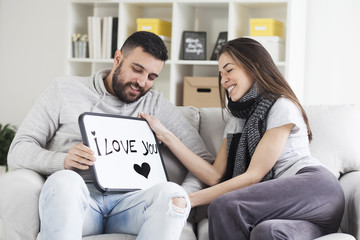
(264, 184)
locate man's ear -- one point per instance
(117, 57)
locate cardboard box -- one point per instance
(266, 27)
(201, 92)
(274, 45)
(154, 25)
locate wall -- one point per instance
(32, 52)
(33, 39)
(332, 52)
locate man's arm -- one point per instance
(28, 149)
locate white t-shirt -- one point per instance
(296, 153)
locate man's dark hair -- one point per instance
(149, 42)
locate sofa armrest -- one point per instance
(350, 223)
(19, 198)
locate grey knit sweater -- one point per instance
(51, 127)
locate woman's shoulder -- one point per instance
(284, 111)
(284, 106)
(284, 103)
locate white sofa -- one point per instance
(336, 130)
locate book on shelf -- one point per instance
(102, 33)
(94, 32)
(114, 36)
(109, 37)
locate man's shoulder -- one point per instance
(154, 94)
(156, 97)
(71, 82)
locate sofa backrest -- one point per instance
(336, 132)
(212, 125)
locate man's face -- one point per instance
(135, 75)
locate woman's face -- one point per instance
(234, 78)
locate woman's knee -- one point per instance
(218, 207)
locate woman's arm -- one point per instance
(209, 174)
(263, 159)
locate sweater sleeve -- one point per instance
(172, 118)
(28, 149)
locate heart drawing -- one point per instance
(144, 169)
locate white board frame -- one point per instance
(130, 139)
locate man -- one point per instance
(49, 142)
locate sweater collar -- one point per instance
(99, 79)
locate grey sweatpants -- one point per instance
(305, 206)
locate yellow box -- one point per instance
(154, 25)
(201, 92)
(266, 27)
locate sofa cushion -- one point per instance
(175, 169)
(203, 233)
(336, 130)
(336, 236)
(19, 197)
(351, 218)
(192, 115)
(186, 234)
(212, 125)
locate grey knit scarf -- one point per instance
(241, 146)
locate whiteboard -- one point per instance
(126, 151)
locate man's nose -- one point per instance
(142, 80)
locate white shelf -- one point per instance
(212, 16)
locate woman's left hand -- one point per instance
(160, 130)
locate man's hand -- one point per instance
(80, 157)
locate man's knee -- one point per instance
(179, 203)
(65, 182)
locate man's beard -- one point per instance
(120, 87)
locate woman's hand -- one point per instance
(80, 157)
(160, 130)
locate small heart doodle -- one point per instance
(143, 170)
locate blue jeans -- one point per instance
(70, 209)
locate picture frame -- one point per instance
(221, 40)
(194, 45)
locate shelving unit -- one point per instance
(212, 16)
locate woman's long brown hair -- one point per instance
(258, 63)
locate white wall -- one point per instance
(332, 54)
(33, 52)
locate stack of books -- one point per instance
(102, 33)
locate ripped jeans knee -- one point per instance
(178, 205)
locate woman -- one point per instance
(264, 184)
